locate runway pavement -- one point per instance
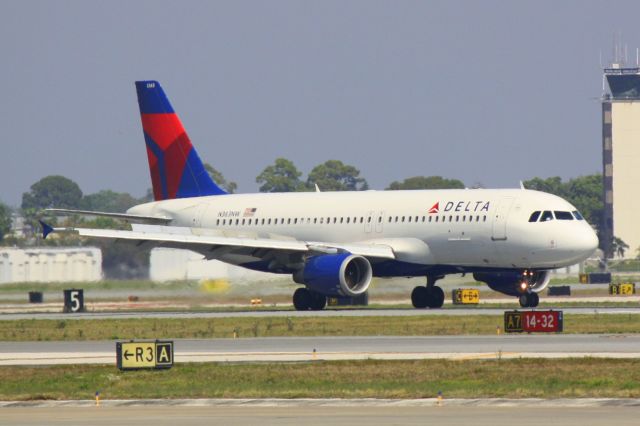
(290, 313)
(322, 412)
(338, 348)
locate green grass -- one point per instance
(146, 328)
(522, 378)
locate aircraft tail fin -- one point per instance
(176, 169)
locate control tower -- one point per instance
(621, 157)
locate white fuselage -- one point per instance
(474, 228)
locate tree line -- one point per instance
(584, 192)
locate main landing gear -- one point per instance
(307, 300)
(529, 300)
(430, 296)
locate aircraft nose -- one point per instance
(587, 242)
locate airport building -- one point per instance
(167, 264)
(50, 264)
(621, 157)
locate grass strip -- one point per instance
(522, 378)
(150, 328)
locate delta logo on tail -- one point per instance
(176, 169)
(435, 208)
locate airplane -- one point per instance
(334, 243)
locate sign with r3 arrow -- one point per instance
(135, 355)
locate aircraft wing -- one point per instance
(212, 246)
(133, 218)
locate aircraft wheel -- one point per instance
(318, 301)
(420, 297)
(525, 300)
(534, 299)
(302, 299)
(436, 297)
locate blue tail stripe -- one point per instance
(161, 167)
(195, 180)
(152, 99)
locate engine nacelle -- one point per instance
(342, 274)
(514, 283)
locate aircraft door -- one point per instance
(499, 230)
(368, 222)
(199, 215)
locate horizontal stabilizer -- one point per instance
(46, 229)
(133, 218)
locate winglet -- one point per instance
(522, 185)
(46, 229)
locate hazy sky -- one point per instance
(483, 91)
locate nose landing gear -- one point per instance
(529, 300)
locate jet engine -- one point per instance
(514, 283)
(342, 274)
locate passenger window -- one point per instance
(560, 215)
(380, 219)
(341, 219)
(546, 216)
(577, 215)
(237, 221)
(423, 218)
(436, 218)
(430, 219)
(389, 219)
(396, 219)
(534, 216)
(409, 219)
(361, 219)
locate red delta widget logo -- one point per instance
(461, 206)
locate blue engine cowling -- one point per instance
(511, 282)
(342, 274)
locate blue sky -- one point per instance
(488, 92)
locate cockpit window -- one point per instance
(546, 216)
(560, 215)
(577, 215)
(534, 216)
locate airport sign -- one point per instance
(533, 321)
(465, 296)
(135, 355)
